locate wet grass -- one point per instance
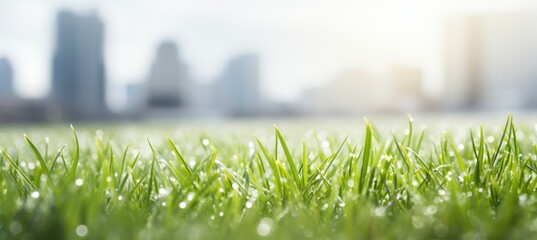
(189, 183)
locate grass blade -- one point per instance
(39, 158)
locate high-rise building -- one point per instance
(491, 61)
(78, 71)
(238, 91)
(168, 83)
(357, 90)
(6, 78)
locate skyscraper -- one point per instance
(491, 60)
(238, 89)
(168, 83)
(6, 78)
(78, 72)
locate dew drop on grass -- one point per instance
(264, 227)
(417, 222)
(164, 204)
(182, 205)
(79, 182)
(15, 227)
(205, 142)
(81, 230)
(108, 179)
(31, 166)
(490, 139)
(190, 196)
(221, 214)
(162, 192)
(442, 192)
(251, 147)
(379, 212)
(431, 210)
(522, 198)
(248, 204)
(120, 198)
(35, 194)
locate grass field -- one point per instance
(361, 181)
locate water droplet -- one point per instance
(182, 205)
(15, 227)
(249, 204)
(417, 222)
(264, 227)
(120, 198)
(81, 230)
(379, 212)
(108, 179)
(31, 166)
(190, 196)
(205, 142)
(164, 204)
(441, 192)
(79, 182)
(162, 192)
(523, 198)
(35, 194)
(431, 210)
(221, 214)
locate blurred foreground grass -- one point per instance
(250, 180)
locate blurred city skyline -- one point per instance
(300, 44)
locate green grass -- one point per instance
(282, 183)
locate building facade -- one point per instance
(78, 71)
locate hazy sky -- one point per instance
(301, 43)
